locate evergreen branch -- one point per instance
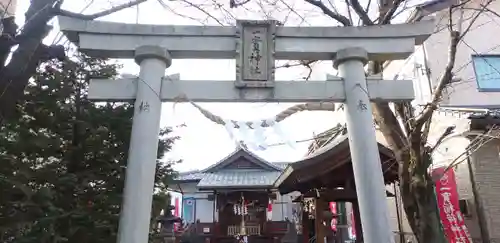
(31, 51)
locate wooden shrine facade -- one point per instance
(234, 196)
(325, 176)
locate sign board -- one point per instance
(255, 53)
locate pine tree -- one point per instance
(63, 159)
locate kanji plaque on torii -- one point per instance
(255, 45)
(255, 53)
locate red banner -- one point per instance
(449, 208)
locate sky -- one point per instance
(202, 142)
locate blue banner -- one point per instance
(188, 209)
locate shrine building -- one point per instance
(243, 194)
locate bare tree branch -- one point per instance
(475, 144)
(449, 130)
(390, 128)
(402, 109)
(427, 129)
(489, 10)
(386, 19)
(363, 15)
(482, 10)
(234, 4)
(120, 7)
(447, 76)
(349, 14)
(444, 80)
(340, 18)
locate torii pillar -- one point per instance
(141, 166)
(370, 186)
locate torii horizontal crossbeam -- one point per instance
(119, 40)
(174, 89)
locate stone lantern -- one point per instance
(167, 222)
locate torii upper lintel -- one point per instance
(119, 40)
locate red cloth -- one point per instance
(176, 213)
(333, 209)
(269, 213)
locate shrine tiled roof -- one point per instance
(232, 177)
(281, 165)
(239, 179)
(189, 175)
(240, 169)
(239, 153)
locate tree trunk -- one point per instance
(421, 209)
(419, 197)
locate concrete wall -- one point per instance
(204, 209)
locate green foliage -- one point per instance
(63, 159)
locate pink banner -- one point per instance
(333, 209)
(176, 213)
(449, 209)
(177, 207)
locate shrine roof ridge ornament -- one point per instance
(119, 40)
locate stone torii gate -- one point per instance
(255, 45)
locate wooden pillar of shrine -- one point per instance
(305, 229)
(351, 185)
(357, 222)
(215, 215)
(320, 206)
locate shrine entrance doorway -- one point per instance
(242, 207)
